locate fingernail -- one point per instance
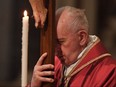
(36, 24)
(52, 66)
(52, 80)
(45, 52)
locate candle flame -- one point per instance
(25, 13)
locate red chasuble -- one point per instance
(96, 68)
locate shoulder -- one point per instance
(109, 62)
(106, 74)
(107, 68)
(107, 65)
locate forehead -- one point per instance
(62, 31)
(63, 24)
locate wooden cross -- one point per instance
(48, 35)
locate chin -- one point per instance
(66, 64)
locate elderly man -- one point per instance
(81, 60)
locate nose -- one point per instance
(58, 51)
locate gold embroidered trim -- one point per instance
(97, 58)
(91, 61)
(62, 72)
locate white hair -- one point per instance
(78, 19)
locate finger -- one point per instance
(42, 23)
(43, 17)
(45, 79)
(40, 61)
(42, 20)
(37, 18)
(36, 24)
(47, 67)
(44, 67)
(45, 73)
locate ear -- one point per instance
(83, 37)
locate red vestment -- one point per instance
(96, 68)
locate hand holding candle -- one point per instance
(25, 26)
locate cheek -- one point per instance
(75, 45)
(70, 47)
(70, 50)
(66, 50)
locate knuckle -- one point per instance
(51, 80)
(51, 66)
(43, 73)
(51, 73)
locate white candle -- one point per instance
(25, 26)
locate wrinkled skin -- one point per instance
(40, 72)
(39, 12)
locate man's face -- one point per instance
(68, 44)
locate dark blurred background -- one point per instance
(102, 19)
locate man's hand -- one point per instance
(40, 72)
(39, 12)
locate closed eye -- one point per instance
(60, 41)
